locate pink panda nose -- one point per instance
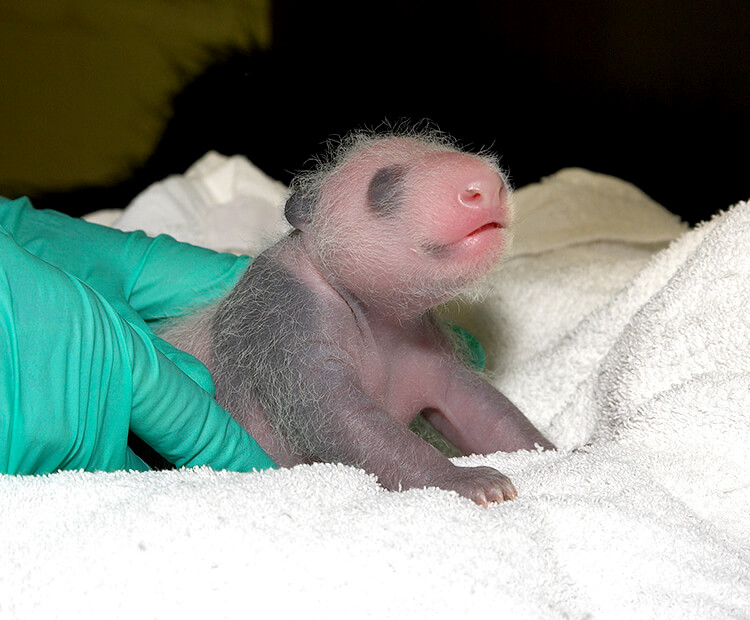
(483, 191)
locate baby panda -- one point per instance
(328, 347)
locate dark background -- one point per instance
(657, 93)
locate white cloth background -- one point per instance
(622, 334)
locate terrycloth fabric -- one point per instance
(633, 358)
(661, 370)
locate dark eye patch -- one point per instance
(385, 193)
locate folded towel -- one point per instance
(629, 351)
(222, 203)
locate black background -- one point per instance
(657, 93)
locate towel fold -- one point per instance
(627, 344)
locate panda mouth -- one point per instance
(440, 250)
(483, 228)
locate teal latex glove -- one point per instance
(80, 364)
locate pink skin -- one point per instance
(380, 353)
(456, 202)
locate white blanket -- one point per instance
(634, 359)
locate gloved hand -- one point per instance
(80, 364)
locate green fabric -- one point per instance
(81, 365)
(468, 348)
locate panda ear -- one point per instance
(299, 210)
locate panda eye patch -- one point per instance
(386, 190)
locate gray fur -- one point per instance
(261, 353)
(299, 209)
(327, 355)
(386, 190)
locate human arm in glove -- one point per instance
(81, 366)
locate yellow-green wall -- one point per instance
(86, 85)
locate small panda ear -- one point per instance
(299, 210)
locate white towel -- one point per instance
(633, 358)
(222, 203)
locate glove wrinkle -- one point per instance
(81, 365)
